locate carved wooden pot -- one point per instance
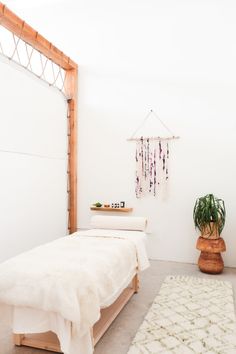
(210, 260)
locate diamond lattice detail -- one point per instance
(17, 50)
(189, 316)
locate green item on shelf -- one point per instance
(97, 205)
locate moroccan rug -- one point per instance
(189, 316)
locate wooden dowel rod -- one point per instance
(154, 138)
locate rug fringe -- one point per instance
(197, 280)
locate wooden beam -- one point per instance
(71, 88)
(20, 28)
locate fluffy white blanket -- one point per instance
(137, 237)
(71, 276)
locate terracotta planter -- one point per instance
(210, 260)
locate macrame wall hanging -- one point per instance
(152, 158)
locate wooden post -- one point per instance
(135, 283)
(17, 338)
(71, 87)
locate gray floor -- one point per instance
(117, 339)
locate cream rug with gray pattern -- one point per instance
(189, 316)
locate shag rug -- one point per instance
(188, 316)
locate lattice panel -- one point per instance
(20, 52)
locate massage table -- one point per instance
(64, 295)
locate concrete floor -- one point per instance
(119, 336)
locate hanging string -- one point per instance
(161, 121)
(16, 57)
(29, 56)
(43, 66)
(143, 122)
(156, 137)
(32, 154)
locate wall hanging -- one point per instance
(152, 158)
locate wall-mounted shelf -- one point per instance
(124, 210)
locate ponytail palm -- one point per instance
(208, 210)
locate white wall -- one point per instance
(177, 57)
(33, 198)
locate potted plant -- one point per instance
(209, 217)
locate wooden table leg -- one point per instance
(17, 338)
(135, 283)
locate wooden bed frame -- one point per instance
(21, 29)
(49, 340)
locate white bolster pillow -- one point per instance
(119, 222)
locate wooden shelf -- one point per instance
(123, 210)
